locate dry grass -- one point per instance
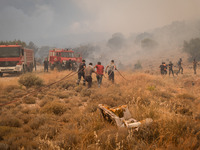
(65, 116)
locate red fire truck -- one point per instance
(63, 59)
(15, 59)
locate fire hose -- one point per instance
(38, 90)
(119, 74)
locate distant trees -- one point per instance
(117, 41)
(86, 50)
(18, 42)
(192, 48)
(31, 45)
(148, 43)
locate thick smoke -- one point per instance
(140, 47)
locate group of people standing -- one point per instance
(85, 72)
(163, 67)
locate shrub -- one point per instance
(63, 94)
(186, 96)
(10, 121)
(70, 140)
(29, 100)
(86, 92)
(5, 130)
(55, 108)
(151, 88)
(138, 65)
(29, 80)
(9, 88)
(37, 122)
(67, 84)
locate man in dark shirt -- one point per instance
(171, 68)
(46, 63)
(180, 68)
(195, 66)
(100, 70)
(81, 72)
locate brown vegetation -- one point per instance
(66, 116)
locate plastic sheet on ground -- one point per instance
(121, 116)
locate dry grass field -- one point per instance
(66, 116)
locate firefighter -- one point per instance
(195, 66)
(171, 68)
(88, 74)
(162, 68)
(99, 72)
(46, 63)
(69, 64)
(111, 68)
(81, 72)
(180, 68)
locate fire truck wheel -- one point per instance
(1, 74)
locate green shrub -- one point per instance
(29, 80)
(151, 88)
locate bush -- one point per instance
(55, 108)
(37, 122)
(10, 88)
(86, 92)
(186, 96)
(29, 80)
(10, 121)
(5, 130)
(138, 65)
(29, 100)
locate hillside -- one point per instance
(65, 116)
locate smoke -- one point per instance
(59, 23)
(158, 44)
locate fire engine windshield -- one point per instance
(67, 54)
(9, 51)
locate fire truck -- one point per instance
(64, 59)
(15, 59)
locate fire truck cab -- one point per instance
(63, 59)
(15, 59)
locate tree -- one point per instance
(18, 42)
(192, 48)
(116, 42)
(148, 43)
(31, 45)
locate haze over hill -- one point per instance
(68, 23)
(139, 46)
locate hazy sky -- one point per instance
(69, 22)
